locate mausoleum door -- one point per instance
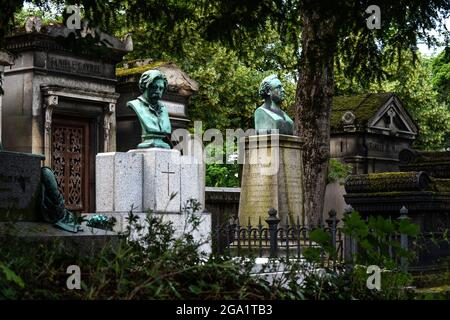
(71, 141)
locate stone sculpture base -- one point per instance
(160, 180)
(157, 180)
(272, 177)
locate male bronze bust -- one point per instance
(269, 116)
(152, 114)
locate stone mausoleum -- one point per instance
(369, 130)
(60, 101)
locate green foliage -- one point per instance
(441, 75)
(149, 262)
(155, 265)
(222, 175)
(376, 237)
(338, 170)
(342, 283)
(8, 280)
(222, 172)
(47, 16)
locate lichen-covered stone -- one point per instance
(387, 182)
(363, 106)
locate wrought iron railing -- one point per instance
(275, 239)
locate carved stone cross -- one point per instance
(168, 178)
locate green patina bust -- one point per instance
(152, 114)
(269, 116)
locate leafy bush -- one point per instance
(159, 265)
(338, 170)
(222, 175)
(378, 239)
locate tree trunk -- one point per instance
(313, 102)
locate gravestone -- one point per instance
(160, 180)
(272, 175)
(155, 180)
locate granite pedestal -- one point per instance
(154, 180)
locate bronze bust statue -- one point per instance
(152, 114)
(269, 116)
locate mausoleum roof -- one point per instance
(380, 113)
(179, 81)
(363, 106)
(88, 41)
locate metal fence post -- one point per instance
(348, 241)
(332, 222)
(404, 239)
(273, 221)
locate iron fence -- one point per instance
(275, 239)
(290, 240)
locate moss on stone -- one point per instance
(387, 182)
(392, 194)
(440, 185)
(363, 106)
(122, 72)
(379, 180)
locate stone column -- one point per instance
(109, 128)
(51, 102)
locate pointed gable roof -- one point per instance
(381, 113)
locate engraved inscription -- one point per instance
(74, 66)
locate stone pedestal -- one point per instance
(159, 180)
(272, 176)
(156, 180)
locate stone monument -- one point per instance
(152, 177)
(272, 174)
